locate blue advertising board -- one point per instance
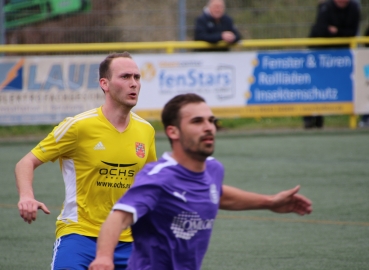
(301, 77)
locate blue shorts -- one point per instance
(76, 252)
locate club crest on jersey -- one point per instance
(140, 150)
(214, 197)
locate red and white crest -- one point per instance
(140, 150)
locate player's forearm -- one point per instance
(110, 232)
(237, 199)
(108, 239)
(24, 177)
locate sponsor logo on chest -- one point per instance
(187, 224)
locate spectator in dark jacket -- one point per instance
(335, 18)
(214, 25)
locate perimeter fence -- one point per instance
(163, 20)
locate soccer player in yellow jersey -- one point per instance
(100, 151)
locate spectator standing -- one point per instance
(335, 18)
(100, 152)
(214, 26)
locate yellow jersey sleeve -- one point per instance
(60, 142)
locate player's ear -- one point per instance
(104, 84)
(172, 132)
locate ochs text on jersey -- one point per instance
(118, 170)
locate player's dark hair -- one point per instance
(104, 68)
(170, 116)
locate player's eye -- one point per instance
(213, 120)
(197, 120)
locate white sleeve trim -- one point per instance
(169, 162)
(127, 208)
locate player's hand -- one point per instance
(101, 263)
(289, 201)
(28, 209)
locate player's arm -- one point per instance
(116, 222)
(287, 201)
(24, 171)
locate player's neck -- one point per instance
(187, 161)
(118, 117)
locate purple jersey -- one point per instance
(174, 210)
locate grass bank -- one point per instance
(340, 121)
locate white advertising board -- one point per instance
(361, 79)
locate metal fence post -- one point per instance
(2, 22)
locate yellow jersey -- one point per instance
(98, 164)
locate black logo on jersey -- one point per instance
(118, 165)
(115, 171)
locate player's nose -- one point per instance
(133, 83)
(210, 126)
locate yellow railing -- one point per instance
(172, 46)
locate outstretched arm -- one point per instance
(287, 201)
(108, 239)
(27, 205)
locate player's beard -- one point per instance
(198, 150)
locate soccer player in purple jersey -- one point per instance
(173, 203)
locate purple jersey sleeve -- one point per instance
(141, 198)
